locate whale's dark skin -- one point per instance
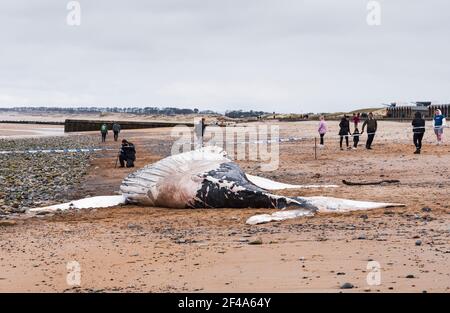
(213, 195)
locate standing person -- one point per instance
(127, 154)
(203, 127)
(355, 138)
(418, 124)
(322, 130)
(104, 132)
(356, 119)
(439, 123)
(372, 125)
(200, 131)
(116, 130)
(344, 131)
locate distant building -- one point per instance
(407, 112)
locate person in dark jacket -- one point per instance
(372, 125)
(127, 154)
(344, 131)
(355, 135)
(203, 127)
(200, 131)
(418, 124)
(116, 130)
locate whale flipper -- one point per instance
(322, 204)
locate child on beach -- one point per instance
(356, 138)
(322, 130)
(356, 119)
(438, 124)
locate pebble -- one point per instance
(426, 209)
(410, 276)
(418, 242)
(7, 223)
(347, 286)
(257, 241)
(133, 226)
(49, 178)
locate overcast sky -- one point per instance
(271, 55)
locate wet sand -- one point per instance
(134, 248)
(29, 130)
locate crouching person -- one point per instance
(127, 154)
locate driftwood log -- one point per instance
(387, 181)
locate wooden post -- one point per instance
(315, 148)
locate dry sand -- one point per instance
(155, 249)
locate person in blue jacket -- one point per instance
(439, 123)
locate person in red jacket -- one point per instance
(356, 119)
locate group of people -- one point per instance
(115, 128)
(345, 131)
(127, 152)
(418, 123)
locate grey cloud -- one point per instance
(287, 55)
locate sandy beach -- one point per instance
(132, 248)
(210, 155)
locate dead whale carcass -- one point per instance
(204, 178)
(207, 178)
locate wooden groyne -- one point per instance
(32, 122)
(71, 125)
(407, 112)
